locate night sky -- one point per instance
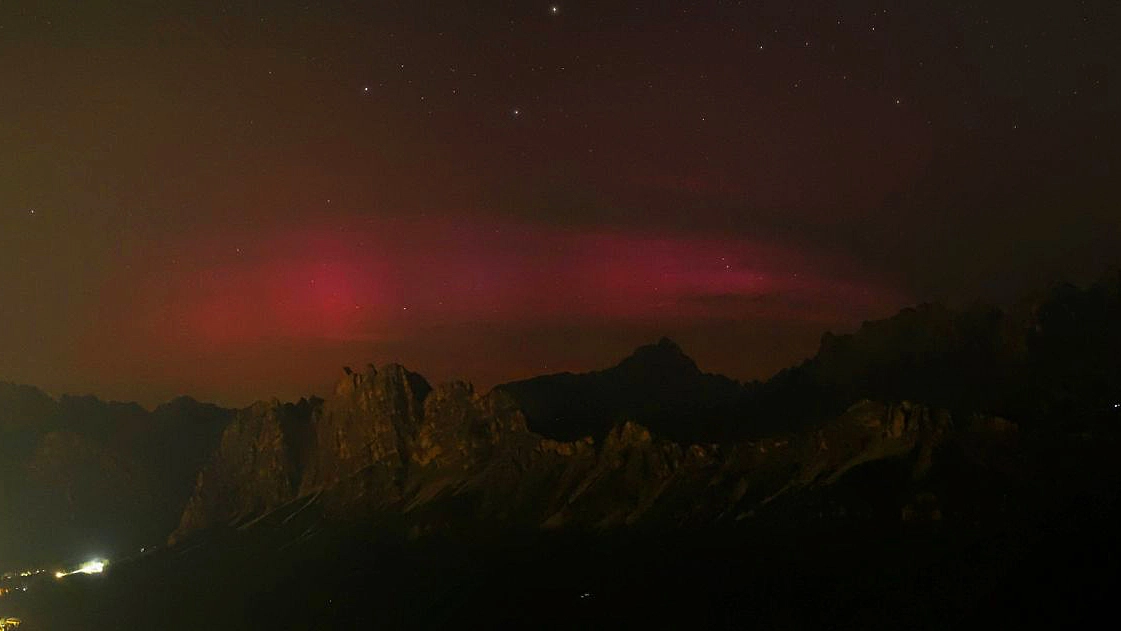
(234, 200)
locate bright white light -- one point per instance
(92, 567)
(96, 566)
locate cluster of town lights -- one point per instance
(89, 567)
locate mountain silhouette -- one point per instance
(956, 430)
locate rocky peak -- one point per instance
(627, 434)
(257, 465)
(386, 425)
(388, 441)
(180, 404)
(25, 407)
(370, 419)
(393, 389)
(665, 359)
(658, 385)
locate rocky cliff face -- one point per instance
(373, 417)
(257, 465)
(388, 446)
(652, 440)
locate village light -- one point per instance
(96, 566)
(92, 567)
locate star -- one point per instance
(554, 9)
(517, 112)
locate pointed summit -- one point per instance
(665, 341)
(660, 360)
(658, 385)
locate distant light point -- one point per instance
(554, 9)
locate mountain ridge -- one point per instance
(1046, 366)
(532, 451)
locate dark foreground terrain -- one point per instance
(813, 578)
(291, 570)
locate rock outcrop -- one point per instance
(257, 465)
(387, 446)
(373, 417)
